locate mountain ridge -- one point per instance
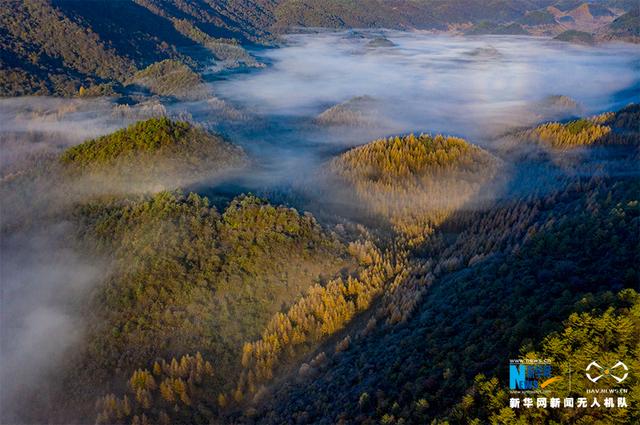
(57, 46)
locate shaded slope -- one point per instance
(417, 370)
(46, 46)
(130, 29)
(55, 46)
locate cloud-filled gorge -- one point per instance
(90, 236)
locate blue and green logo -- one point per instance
(530, 375)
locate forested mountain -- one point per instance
(500, 282)
(625, 27)
(57, 46)
(411, 371)
(212, 280)
(44, 51)
(184, 278)
(260, 314)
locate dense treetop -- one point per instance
(168, 78)
(157, 151)
(149, 136)
(398, 159)
(412, 181)
(619, 128)
(575, 36)
(186, 278)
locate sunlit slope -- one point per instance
(414, 181)
(611, 128)
(611, 332)
(57, 46)
(156, 153)
(169, 78)
(185, 278)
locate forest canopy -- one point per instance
(155, 152)
(413, 181)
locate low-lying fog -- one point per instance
(471, 87)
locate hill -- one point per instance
(154, 153)
(562, 253)
(169, 78)
(355, 112)
(619, 128)
(487, 27)
(186, 279)
(538, 17)
(421, 14)
(625, 27)
(411, 180)
(573, 36)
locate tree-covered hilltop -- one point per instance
(146, 157)
(574, 36)
(185, 279)
(611, 128)
(398, 159)
(169, 78)
(413, 181)
(156, 152)
(572, 134)
(359, 111)
(150, 136)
